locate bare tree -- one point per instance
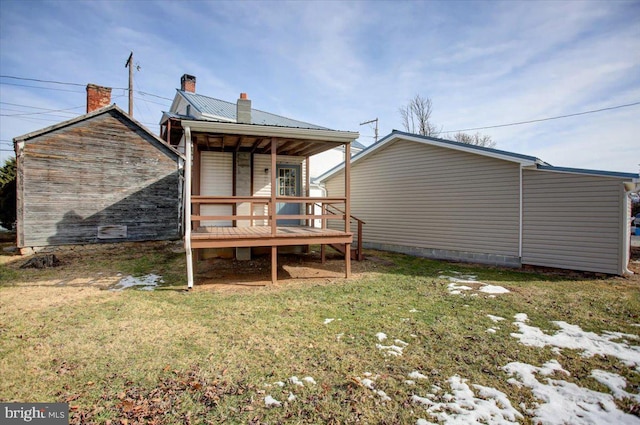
(416, 116)
(475, 139)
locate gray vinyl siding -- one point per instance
(99, 173)
(415, 195)
(572, 221)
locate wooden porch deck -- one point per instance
(240, 237)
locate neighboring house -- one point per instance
(100, 177)
(325, 161)
(247, 173)
(448, 200)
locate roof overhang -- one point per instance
(632, 177)
(255, 138)
(271, 131)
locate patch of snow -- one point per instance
(462, 406)
(383, 395)
(279, 383)
(381, 336)
(327, 321)
(400, 342)
(461, 279)
(494, 289)
(291, 398)
(491, 330)
(615, 383)
(495, 318)
(147, 282)
(521, 317)
(271, 402)
(456, 286)
(409, 382)
(457, 289)
(367, 383)
(561, 402)
(370, 384)
(573, 337)
(417, 375)
(423, 422)
(413, 310)
(339, 336)
(295, 381)
(309, 380)
(393, 350)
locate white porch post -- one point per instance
(347, 207)
(187, 206)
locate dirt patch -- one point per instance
(234, 275)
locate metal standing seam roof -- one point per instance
(227, 111)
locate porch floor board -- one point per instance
(237, 237)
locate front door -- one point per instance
(288, 184)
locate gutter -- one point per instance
(272, 131)
(628, 188)
(520, 219)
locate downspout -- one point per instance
(520, 219)
(626, 235)
(187, 206)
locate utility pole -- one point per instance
(129, 64)
(376, 128)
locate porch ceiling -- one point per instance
(235, 137)
(260, 144)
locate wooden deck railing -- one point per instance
(337, 212)
(271, 215)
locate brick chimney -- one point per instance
(188, 83)
(97, 97)
(243, 109)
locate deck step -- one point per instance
(354, 251)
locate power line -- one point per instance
(41, 81)
(544, 119)
(46, 111)
(70, 84)
(39, 87)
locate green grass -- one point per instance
(209, 355)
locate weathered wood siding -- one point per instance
(103, 171)
(413, 195)
(572, 221)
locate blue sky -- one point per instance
(338, 64)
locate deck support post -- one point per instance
(323, 253)
(347, 207)
(187, 206)
(347, 260)
(274, 264)
(274, 211)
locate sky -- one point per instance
(338, 64)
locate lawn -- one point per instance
(406, 340)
